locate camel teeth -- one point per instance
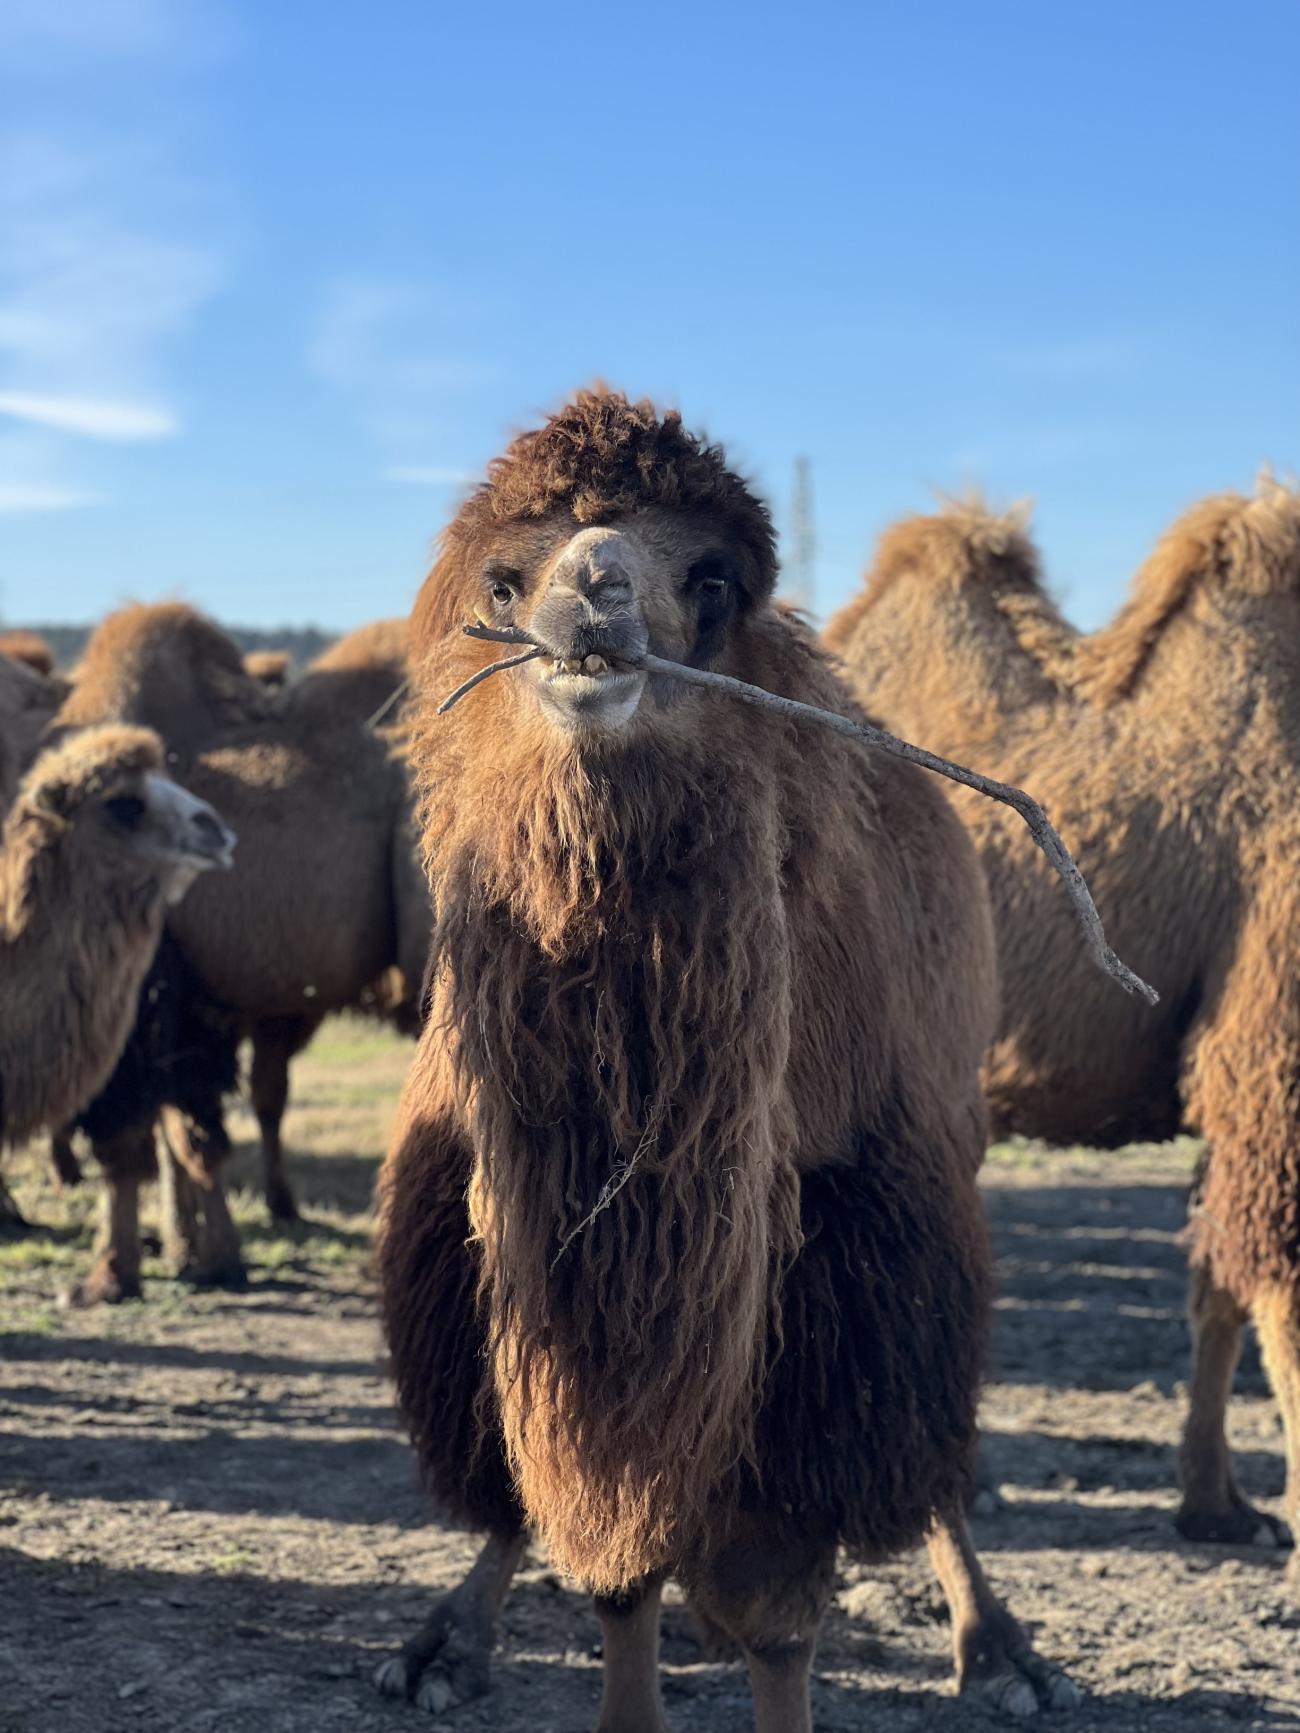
(595, 665)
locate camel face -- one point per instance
(653, 581)
(164, 827)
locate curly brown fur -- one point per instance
(166, 667)
(81, 910)
(648, 1022)
(956, 615)
(1174, 777)
(1227, 553)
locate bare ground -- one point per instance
(209, 1520)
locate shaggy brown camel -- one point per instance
(313, 912)
(681, 1255)
(360, 678)
(1167, 747)
(97, 845)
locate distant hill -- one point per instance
(304, 643)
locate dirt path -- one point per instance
(209, 1521)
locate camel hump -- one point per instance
(1242, 544)
(29, 648)
(965, 546)
(270, 668)
(167, 666)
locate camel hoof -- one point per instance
(280, 1203)
(446, 1666)
(1019, 1682)
(434, 1694)
(100, 1286)
(1240, 1525)
(389, 1677)
(232, 1275)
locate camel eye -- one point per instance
(126, 810)
(709, 579)
(502, 585)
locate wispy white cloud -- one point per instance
(396, 353)
(94, 418)
(99, 275)
(16, 498)
(430, 475)
(43, 35)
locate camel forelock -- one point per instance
(602, 456)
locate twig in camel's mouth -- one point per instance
(1040, 826)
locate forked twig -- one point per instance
(492, 668)
(1040, 826)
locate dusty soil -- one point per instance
(209, 1519)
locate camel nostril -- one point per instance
(210, 830)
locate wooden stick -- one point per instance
(485, 673)
(1040, 826)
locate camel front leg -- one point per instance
(629, 1626)
(63, 1161)
(448, 1661)
(127, 1161)
(198, 1149)
(1212, 1508)
(768, 1588)
(994, 1658)
(275, 1041)
(1276, 1312)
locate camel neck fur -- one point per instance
(609, 920)
(74, 951)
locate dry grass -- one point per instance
(345, 1090)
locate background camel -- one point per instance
(29, 697)
(311, 916)
(270, 668)
(1167, 749)
(663, 1117)
(96, 846)
(360, 680)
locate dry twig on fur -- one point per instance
(1040, 826)
(492, 668)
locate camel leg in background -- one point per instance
(1212, 1508)
(448, 1660)
(768, 1587)
(63, 1161)
(1276, 1312)
(127, 1161)
(199, 1148)
(12, 1219)
(629, 1628)
(275, 1041)
(995, 1661)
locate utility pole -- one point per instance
(801, 567)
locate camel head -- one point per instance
(608, 533)
(101, 798)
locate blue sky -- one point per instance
(276, 279)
